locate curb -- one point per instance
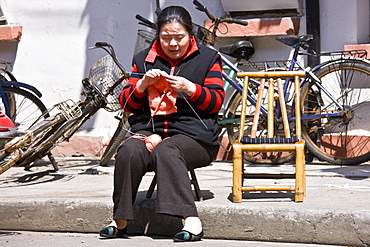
(219, 222)
(78, 199)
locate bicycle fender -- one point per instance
(23, 85)
(362, 60)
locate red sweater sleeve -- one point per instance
(210, 96)
(132, 99)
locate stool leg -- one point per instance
(150, 191)
(237, 174)
(300, 186)
(194, 181)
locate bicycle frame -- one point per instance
(287, 84)
(233, 83)
(45, 134)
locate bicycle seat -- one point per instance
(295, 41)
(241, 49)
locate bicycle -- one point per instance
(329, 115)
(19, 101)
(101, 90)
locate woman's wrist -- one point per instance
(191, 90)
(140, 86)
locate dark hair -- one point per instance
(174, 14)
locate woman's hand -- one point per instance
(181, 84)
(150, 77)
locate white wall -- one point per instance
(52, 54)
(343, 22)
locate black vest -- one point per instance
(200, 126)
(194, 68)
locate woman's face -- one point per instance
(174, 40)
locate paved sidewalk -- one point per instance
(78, 199)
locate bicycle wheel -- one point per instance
(339, 137)
(20, 149)
(42, 145)
(233, 114)
(25, 107)
(114, 143)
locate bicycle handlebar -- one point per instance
(99, 44)
(202, 8)
(111, 52)
(236, 21)
(145, 22)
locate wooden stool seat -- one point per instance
(249, 140)
(270, 143)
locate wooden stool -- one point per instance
(193, 180)
(269, 143)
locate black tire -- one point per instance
(40, 146)
(43, 144)
(339, 140)
(29, 144)
(115, 142)
(233, 112)
(25, 107)
(4, 162)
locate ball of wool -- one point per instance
(152, 141)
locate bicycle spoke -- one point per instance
(340, 137)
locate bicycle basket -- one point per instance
(103, 74)
(143, 40)
(277, 65)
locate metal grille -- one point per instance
(144, 39)
(103, 74)
(69, 109)
(270, 65)
(349, 53)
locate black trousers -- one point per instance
(171, 160)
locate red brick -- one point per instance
(10, 33)
(358, 47)
(259, 27)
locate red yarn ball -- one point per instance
(152, 141)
